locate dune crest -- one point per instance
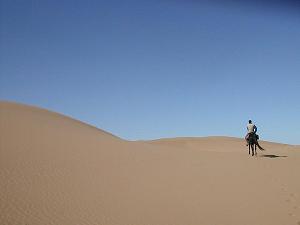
(56, 170)
(15, 114)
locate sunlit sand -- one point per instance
(55, 170)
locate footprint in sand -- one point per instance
(283, 188)
(298, 223)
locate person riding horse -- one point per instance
(252, 129)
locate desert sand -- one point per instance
(55, 170)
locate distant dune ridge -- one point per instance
(55, 170)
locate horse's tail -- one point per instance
(260, 148)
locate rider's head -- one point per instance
(250, 121)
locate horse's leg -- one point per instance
(249, 148)
(255, 149)
(252, 148)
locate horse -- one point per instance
(252, 143)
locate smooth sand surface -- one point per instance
(55, 170)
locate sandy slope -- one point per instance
(56, 170)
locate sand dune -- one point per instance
(55, 170)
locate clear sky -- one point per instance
(145, 69)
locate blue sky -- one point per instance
(151, 69)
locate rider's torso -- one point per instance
(250, 128)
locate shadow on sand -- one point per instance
(273, 156)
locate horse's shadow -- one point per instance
(273, 156)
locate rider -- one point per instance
(252, 129)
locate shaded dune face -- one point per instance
(56, 170)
